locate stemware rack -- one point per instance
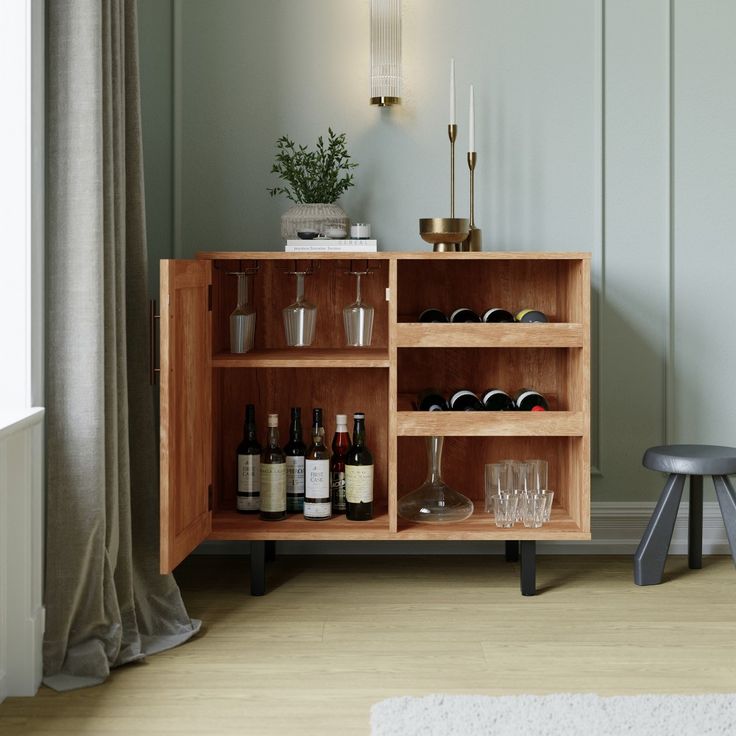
(204, 387)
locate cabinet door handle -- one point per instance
(152, 319)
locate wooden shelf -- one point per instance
(480, 526)
(305, 358)
(504, 335)
(490, 423)
(234, 526)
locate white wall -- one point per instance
(601, 126)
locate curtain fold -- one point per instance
(106, 603)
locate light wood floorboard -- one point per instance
(335, 635)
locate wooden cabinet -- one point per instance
(204, 388)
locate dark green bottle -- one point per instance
(359, 475)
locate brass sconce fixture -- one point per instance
(385, 52)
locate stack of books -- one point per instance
(324, 245)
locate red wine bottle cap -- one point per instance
(538, 408)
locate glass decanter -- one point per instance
(358, 318)
(434, 501)
(300, 317)
(243, 318)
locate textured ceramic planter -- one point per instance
(313, 217)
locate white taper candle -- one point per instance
(471, 124)
(452, 91)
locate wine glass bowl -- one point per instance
(358, 318)
(243, 317)
(300, 318)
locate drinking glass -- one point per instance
(548, 497)
(243, 317)
(504, 508)
(358, 318)
(533, 510)
(496, 481)
(300, 317)
(537, 475)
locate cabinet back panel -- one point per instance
(545, 369)
(342, 391)
(464, 460)
(547, 285)
(330, 288)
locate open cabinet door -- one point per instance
(186, 408)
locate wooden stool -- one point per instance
(680, 461)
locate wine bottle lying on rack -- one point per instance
(431, 400)
(527, 399)
(496, 314)
(464, 314)
(433, 315)
(531, 315)
(465, 400)
(495, 399)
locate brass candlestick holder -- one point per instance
(474, 241)
(452, 134)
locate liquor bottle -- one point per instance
(465, 400)
(317, 500)
(273, 475)
(464, 315)
(249, 466)
(531, 315)
(295, 450)
(496, 314)
(433, 315)
(431, 400)
(359, 475)
(496, 399)
(528, 399)
(340, 448)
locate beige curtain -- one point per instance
(106, 603)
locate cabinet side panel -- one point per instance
(186, 404)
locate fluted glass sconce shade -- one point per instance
(385, 52)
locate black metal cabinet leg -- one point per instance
(652, 551)
(257, 568)
(727, 501)
(270, 550)
(512, 551)
(528, 553)
(695, 524)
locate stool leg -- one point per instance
(512, 550)
(727, 501)
(652, 551)
(257, 568)
(528, 572)
(695, 524)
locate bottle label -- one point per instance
(318, 510)
(359, 483)
(273, 487)
(337, 487)
(295, 476)
(248, 474)
(317, 479)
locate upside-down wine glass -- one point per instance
(243, 317)
(300, 317)
(358, 318)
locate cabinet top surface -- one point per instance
(392, 255)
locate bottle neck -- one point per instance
(249, 426)
(295, 431)
(359, 433)
(273, 437)
(434, 458)
(341, 441)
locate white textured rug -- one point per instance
(555, 715)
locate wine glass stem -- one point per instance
(242, 290)
(357, 289)
(300, 287)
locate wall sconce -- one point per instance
(385, 52)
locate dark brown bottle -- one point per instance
(317, 499)
(249, 466)
(359, 475)
(295, 450)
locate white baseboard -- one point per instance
(617, 529)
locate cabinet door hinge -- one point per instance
(209, 297)
(209, 497)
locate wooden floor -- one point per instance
(335, 635)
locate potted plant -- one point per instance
(314, 181)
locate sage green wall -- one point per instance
(600, 126)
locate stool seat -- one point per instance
(691, 459)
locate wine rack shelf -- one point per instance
(305, 358)
(490, 424)
(419, 335)
(204, 387)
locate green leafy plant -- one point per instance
(315, 176)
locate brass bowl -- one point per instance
(444, 233)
